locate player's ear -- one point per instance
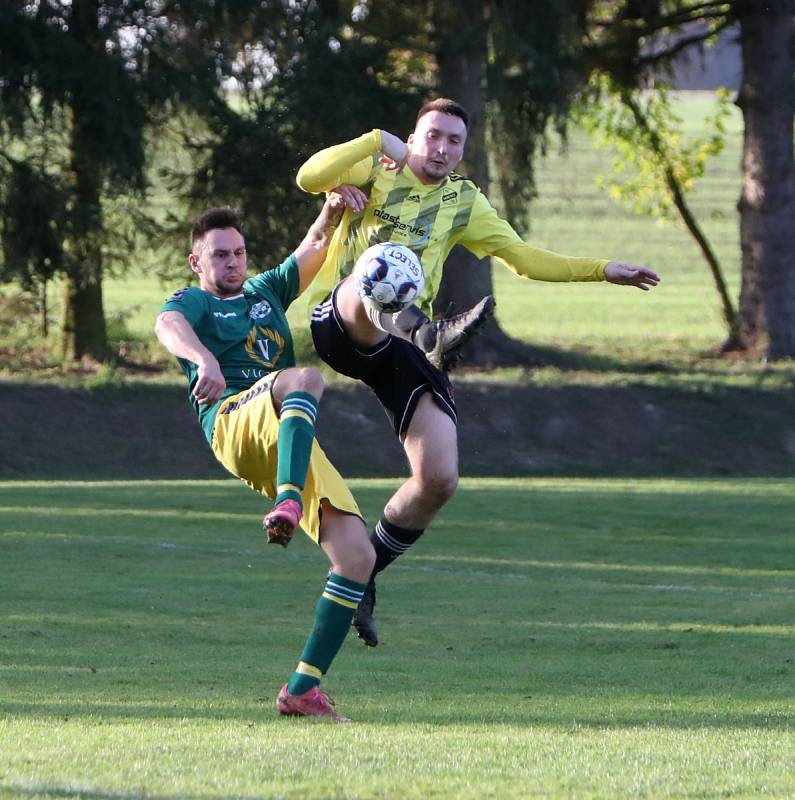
(193, 262)
(410, 140)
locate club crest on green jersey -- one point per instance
(260, 310)
(267, 348)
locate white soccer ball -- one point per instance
(388, 277)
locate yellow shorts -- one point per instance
(244, 441)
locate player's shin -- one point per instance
(296, 436)
(389, 541)
(333, 615)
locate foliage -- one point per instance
(101, 75)
(535, 66)
(19, 320)
(645, 132)
(645, 157)
(632, 40)
(32, 219)
(252, 148)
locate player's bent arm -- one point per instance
(311, 253)
(349, 162)
(178, 337)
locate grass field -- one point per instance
(592, 639)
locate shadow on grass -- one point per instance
(47, 790)
(601, 604)
(523, 712)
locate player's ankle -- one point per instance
(424, 336)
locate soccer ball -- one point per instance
(388, 277)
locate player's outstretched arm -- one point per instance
(311, 253)
(178, 337)
(631, 275)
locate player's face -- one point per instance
(219, 259)
(436, 146)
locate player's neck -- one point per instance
(426, 180)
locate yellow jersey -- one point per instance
(428, 218)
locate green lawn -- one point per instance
(548, 638)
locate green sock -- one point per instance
(333, 615)
(294, 445)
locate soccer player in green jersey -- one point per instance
(414, 198)
(257, 409)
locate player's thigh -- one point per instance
(335, 346)
(431, 443)
(245, 436)
(245, 441)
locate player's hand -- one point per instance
(348, 195)
(210, 383)
(631, 275)
(395, 152)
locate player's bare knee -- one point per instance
(299, 379)
(357, 562)
(311, 381)
(438, 488)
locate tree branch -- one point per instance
(678, 197)
(673, 20)
(682, 44)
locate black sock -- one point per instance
(391, 541)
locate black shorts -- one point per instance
(396, 370)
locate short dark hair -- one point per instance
(446, 106)
(212, 219)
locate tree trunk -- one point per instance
(766, 323)
(83, 330)
(460, 42)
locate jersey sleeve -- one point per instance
(544, 265)
(486, 231)
(350, 162)
(281, 281)
(189, 302)
(487, 234)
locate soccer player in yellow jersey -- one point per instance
(407, 193)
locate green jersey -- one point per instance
(247, 333)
